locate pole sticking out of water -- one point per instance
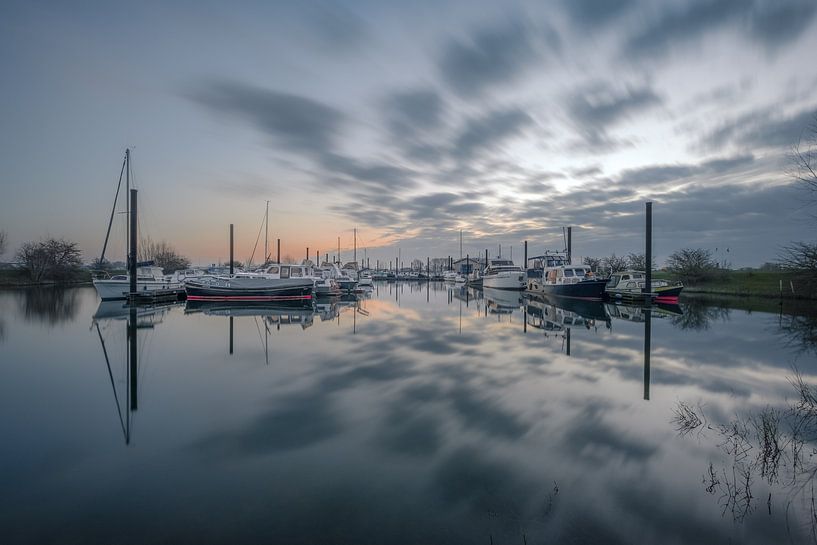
(231, 249)
(133, 241)
(279, 251)
(525, 264)
(266, 235)
(569, 245)
(648, 251)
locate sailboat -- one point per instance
(149, 278)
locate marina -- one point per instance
(449, 273)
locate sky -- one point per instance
(410, 121)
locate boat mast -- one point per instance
(113, 211)
(127, 200)
(266, 234)
(355, 250)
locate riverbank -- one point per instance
(775, 284)
(15, 278)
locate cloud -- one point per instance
(489, 131)
(772, 23)
(491, 57)
(413, 110)
(761, 129)
(594, 13)
(597, 107)
(337, 28)
(778, 22)
(296, 122)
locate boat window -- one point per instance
(568, 272)
(284, 272)
(296, 272)
(273, 270)
(625, 277)
(613, 281)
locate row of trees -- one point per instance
(60, 260)
(690, 265)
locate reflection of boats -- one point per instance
(500, 301)
(147, 316)
(277, 313)
(552, 274)
(503, 274)
(628, 284)
(635, 313)
(560, 314)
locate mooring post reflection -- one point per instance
(133, 358)
(647, 342)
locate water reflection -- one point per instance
(448, 415)
(769, 456)
(48, 305)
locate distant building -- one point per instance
(467, 265)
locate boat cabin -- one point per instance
(278, 270)
(569, 274)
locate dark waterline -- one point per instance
(420, 414)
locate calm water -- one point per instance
(415, 415)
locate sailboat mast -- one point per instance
(355, 250)
(266, 234)
(127, 200)
(113, 211)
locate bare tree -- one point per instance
(692, 264)
(163, 255)
(614, 263)
(52, 259)
(638, 262)
(804, 159)
(593, 262)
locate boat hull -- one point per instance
(504, 281)
(248, 289)
(586, 289)
(109, 290)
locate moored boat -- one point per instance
(630, 284)
(504, 275)
(149, 279)
(248, 287)
(552, 274)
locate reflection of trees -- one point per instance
(698, 315)
(799, 333)
(776, 447)
(49, 305)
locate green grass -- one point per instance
(748, 283)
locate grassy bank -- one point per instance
(15, 278)
(749, 284)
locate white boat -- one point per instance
(148, 279)
(344, 281)
(365, 280)
(450, 276)
(630, 284)
(504, 275)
